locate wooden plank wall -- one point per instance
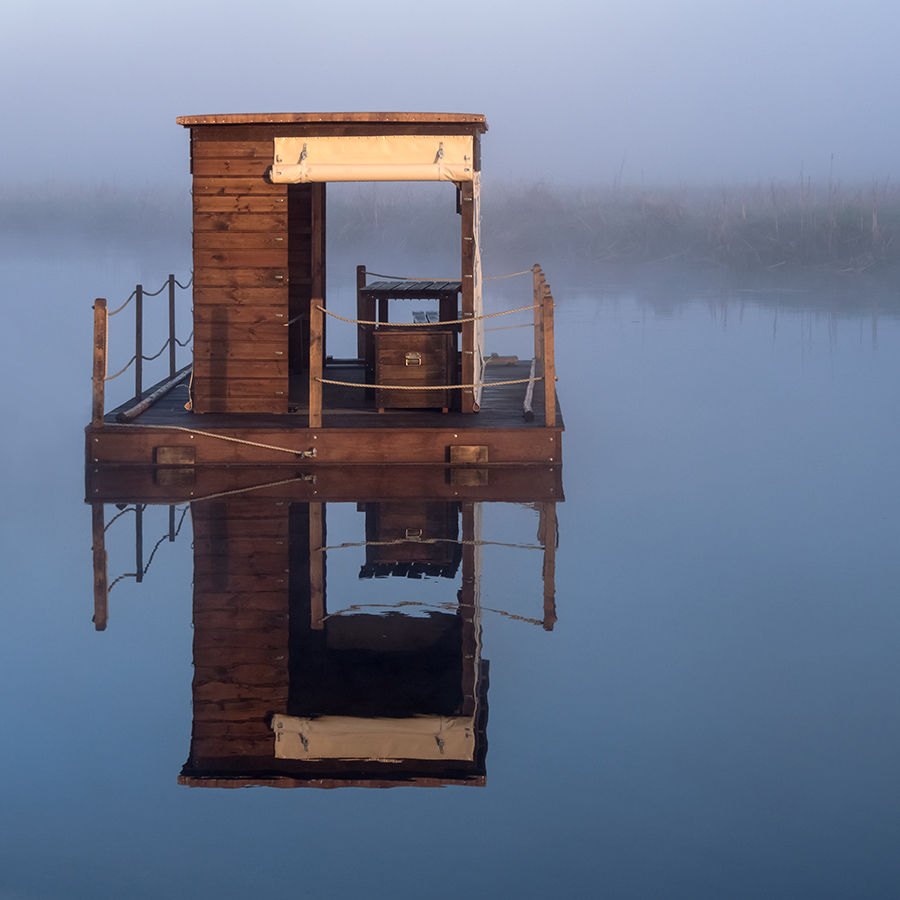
(252, 257)
(241, 603)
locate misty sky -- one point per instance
(573, 91)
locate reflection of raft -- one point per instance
(263, 388)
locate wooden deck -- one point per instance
(352, 432)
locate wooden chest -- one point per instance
(412, 357)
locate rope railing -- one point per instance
(428, 387)
(101, 342)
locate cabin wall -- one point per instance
(241, 602)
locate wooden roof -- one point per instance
(325, 117)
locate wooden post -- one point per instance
(101, 318)
(549, 359)
(361, 330)
(316, 566)
(538, 277)
(548, 536)
(316, 323)
(101, 579)
(171, 326)
(138, 341)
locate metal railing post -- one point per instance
(171, 326)
(138, 341)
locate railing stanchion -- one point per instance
(538, 313)
(101, 318)
(138, 341)
(171, 326)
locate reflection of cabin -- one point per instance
(286, 695)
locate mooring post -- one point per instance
(171, 326)
(101, 579)
(138, 543)
(101, 317)
(138, 341)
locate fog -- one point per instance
(650, 92)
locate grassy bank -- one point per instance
(763, 226)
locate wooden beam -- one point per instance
(101, 578)
(316, 326)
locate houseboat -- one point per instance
(263, 388)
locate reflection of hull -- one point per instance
(339, 484)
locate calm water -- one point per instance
(716, 714)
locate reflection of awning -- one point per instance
(349, 737)
(403, 157)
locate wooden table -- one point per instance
(372, 304)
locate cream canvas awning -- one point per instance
(397, 157)
(349, 737)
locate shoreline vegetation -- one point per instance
(767, 226)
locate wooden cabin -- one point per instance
(417, 392)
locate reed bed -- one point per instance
(802, 224)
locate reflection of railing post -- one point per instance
(171, 524)
(138, 542)
(548, 536)
(316, 567)
(138, 341)
(101, 318)
(171, 326)
(316, 325)
(101, 579)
